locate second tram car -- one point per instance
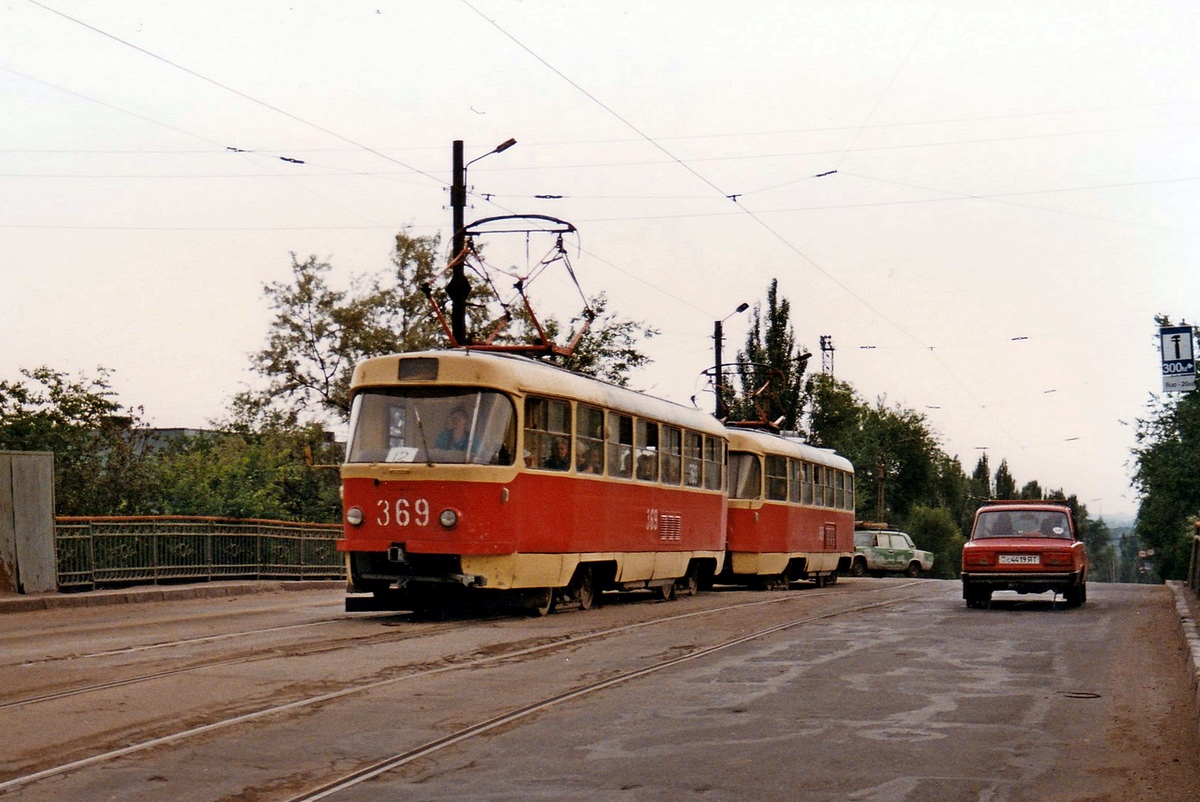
(791, 511)
(475, 473)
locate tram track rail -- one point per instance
(272, 653)
(453, 663)
(381, 767)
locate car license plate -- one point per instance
(1019, 559)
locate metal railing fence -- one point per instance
(93, 552)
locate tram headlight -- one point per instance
(354, 516)
(448, 518)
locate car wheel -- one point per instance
(1074, 594)
(913, 570)
(977, 597)
(858, 568)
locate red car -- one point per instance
(1026, 546)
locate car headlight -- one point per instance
(354, 516)
(448, 518)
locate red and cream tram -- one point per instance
(473, 473)
(791, 511)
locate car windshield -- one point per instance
(432, 425)
(1021, 523)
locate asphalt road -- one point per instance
(873, 689)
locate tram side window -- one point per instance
(589, 440)
(547, 434)
(819, 485)
(714, 463)
(850, 491)
(646, 446)
(745, 475)
(620, 445)
(806, 490)
(830, 495)
(672, 455)
(693, 462)
(794, 480)
(776, 477)
(839, 484)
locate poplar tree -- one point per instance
(770, 369)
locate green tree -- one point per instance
(835, 414)
(899, 441)
(771, 360)
(1006, 485)
(319, 334)
(892, 449)
(100, 465)
(953, 491)
(608, 349)
(252, 465)
(1032, 491)
(1167, 476)
(934, 529)
(981, 481)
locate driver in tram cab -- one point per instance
(454, 436)
(560, 455)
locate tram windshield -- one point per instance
(432, 425)
(745, 475)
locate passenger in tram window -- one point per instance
(560, 455)
(589, 461)
(454, 436)
(646, 468)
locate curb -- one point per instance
(156, 593)
(1191, 638)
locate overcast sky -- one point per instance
(1015, 194)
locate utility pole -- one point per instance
(879, 474)
(459, 289)
(718, 385)
(718, 367)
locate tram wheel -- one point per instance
(666, 592)
(583, 587)
(540, 602)
(690, 582)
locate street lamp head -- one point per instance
(741, 308)
(505, 145)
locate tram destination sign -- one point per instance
(1178, 359)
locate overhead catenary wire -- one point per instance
(238, 92)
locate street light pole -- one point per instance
(718, 337)
(459, 289)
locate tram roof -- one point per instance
(769, 443)
(521, 374)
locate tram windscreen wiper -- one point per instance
(424, 442)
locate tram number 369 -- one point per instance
(403, 512)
